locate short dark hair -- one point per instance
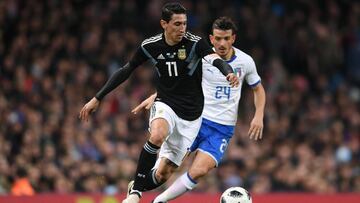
(172, 8)
(224, 23)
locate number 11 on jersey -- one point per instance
(172, 67)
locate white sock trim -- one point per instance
(153, 172)
(189, 184)
(150, 149)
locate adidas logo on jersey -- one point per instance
(160, 56)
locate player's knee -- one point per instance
(158, 131)
(198, 172)
(158, 135)
(157, 138)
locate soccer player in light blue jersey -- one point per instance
(220, 108)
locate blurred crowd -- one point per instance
(56, 54)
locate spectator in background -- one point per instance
(55, 54)
(21, 185)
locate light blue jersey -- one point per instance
(221, 104)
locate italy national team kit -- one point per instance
(221, 104)
(181, 108)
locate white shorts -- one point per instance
(181, 135)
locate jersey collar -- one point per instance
(233, 57)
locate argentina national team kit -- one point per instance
(180, 99)
(178, 71)
(208, 112)
(221, 104)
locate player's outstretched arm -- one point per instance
(147, 103)
(115, 80)
(257, 124)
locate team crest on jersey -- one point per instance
(182, 54)
(237, 71)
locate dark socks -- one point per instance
(150, 182)
(146, 162)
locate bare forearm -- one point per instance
(259, 100)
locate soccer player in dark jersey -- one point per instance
(220, 109)
(175, 116)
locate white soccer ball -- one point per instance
(236, 195)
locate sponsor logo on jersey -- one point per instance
(160, 56)
(171, 55)
(141, 175)
(182, 54)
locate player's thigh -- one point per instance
(201, 136)
(187, 131)
(215, 140)
(159, 130)
(161, 122)
(178, 143)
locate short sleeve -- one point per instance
(252, 77)
(203, 48)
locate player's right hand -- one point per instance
(147, 103)
(233, 79)
(89, 108)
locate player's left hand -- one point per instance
(256, 128)
(233, 79)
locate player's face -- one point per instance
(175, 29)
(222, 40)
